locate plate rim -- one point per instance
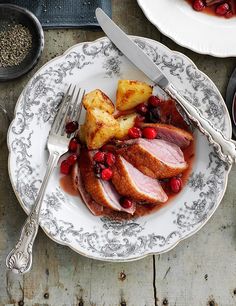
(178, 41)
(67, 243)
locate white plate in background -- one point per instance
(198, 31)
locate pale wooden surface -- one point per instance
(199, 271)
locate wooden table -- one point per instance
(199, 271)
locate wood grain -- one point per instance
(199, 271)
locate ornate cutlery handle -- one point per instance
(19, 260)
(224, 147)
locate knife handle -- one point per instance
(224, 147)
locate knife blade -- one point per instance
(224, 147)
(129, 48)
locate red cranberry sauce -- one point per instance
(223, 8)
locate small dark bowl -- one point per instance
(10, 13)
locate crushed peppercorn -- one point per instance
(15, 44)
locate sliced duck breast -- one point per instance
(171, 133)
(130, 182)
(156, 158)
(102, 192)
(95, 208)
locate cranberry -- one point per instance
(135, 132)
(71, 127)
(73, 145)
(72, 159)
(65, 167)
(106, 174)
(99, 157)
(198, 5)
(142, 109)
(110, 159)
(149, 133)
(222, 9)
(154, 101)
(175, 184)
(126, 202)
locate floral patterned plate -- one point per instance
(64, 218)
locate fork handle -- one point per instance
(19, 260)
(224, 147)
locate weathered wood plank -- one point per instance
(62, 277)
(132, 20)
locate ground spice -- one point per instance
(15, 44)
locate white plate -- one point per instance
(200, 32)
(65, 218)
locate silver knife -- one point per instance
(224, 147)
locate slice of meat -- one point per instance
(94, 207)
(156, 158)
(103, 192)
(130, 182)
(171, 133)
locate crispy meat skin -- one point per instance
(130, 182)
(93, 206)
(149, 164)
(171, 133)
(101, 191)
(91, 183)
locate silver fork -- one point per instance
(19, 260)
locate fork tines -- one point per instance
(70, 109)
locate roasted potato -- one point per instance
(100, 126)
(125, 123)
(131, 93)
(98, 99)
